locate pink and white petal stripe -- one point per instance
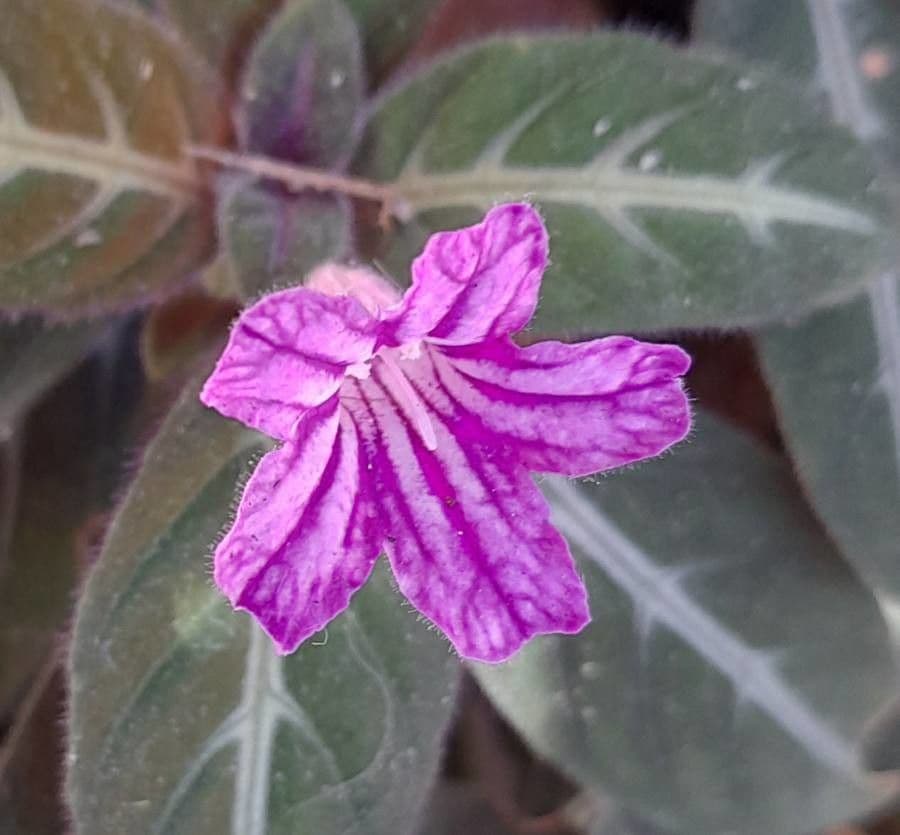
(467, 532)
(288, 353)
(475, 283)
(413, 425)
(570, 409)
(306, 535)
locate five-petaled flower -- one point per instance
(411, 426)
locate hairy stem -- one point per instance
(298, 177)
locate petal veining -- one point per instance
(286, 354)
(475, 283)
(403, 392)
(306, 534)
(570, 409)
(413, 424)
(467, 532)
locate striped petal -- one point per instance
(306, 536)
(286, 354)
(475, 283)
(467, 531)
(570, 409)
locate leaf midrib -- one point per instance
(612, 190)
(96, 161)
(851, 107)
(660, 599)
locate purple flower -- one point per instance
(411, 426)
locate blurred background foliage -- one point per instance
(720, 174)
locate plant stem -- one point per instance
(298, 177)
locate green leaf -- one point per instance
(303, 86)
(271, 239)
(718, 688)
(218, 29)
(675, 195)
(836, 383)
(846, 50)
(33, 357)
(99, 207)
(183, 705)
(389, 28)
(299, 100)
(836, 375)
(221, 29)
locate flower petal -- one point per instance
(571, 409)
(306, 535)
(477, 282)
(288, 353)
(468, 533)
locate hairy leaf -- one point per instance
(99, 206)
(389, 27)
(271, 239)
(836, 382)
(221, 29)
(846, 50)
(299, 100)
(302, 88)
(675, 196)
(183, 705)
(218, 29)
(836, 376)
(718, 688)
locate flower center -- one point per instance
(377, 295)
(407, 395)
(401, 387)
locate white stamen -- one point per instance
(360, 370)
(411, 400)
(411, 350)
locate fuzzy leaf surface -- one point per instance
(272, 240)
(299, 100)
(183, 704)
(836, 375)
(302, 88)
(717, 688)
(675, 195)
(100, 208)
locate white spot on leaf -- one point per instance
(649, 160)
(601, 127)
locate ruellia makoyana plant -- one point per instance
(322, 322)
